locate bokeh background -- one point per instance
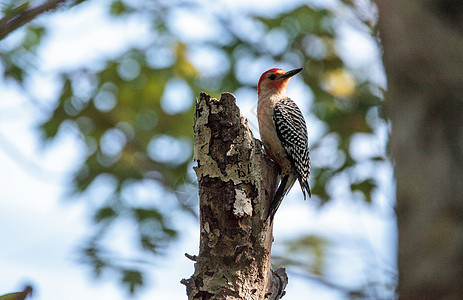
(98, 195)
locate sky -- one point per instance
(40, 230)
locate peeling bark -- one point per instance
(236, 183)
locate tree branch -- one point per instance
(10, 23)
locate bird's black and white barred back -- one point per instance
(292, 132)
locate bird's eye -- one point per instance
(272, 77)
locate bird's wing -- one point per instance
(292, 131)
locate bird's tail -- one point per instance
(305, 187)
(285, 185)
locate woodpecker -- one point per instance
(283, 132)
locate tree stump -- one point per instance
(236, 184)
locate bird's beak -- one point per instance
(290, 73)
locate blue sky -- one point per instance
(40, 229)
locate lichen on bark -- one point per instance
(236, 182)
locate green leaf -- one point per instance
(104, 213)
(170, 232)
(133, 278)
(92, 255)
(118, 8)
(149, 243)
(365, 187)
(33, 37)
(50, 128)
(143, 214)
(16, 8)
(311, 251)
(13, 71)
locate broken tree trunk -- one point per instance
(236, 183)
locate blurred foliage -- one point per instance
(119, 111)
(306, 253)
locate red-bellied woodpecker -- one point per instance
(283, 132)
